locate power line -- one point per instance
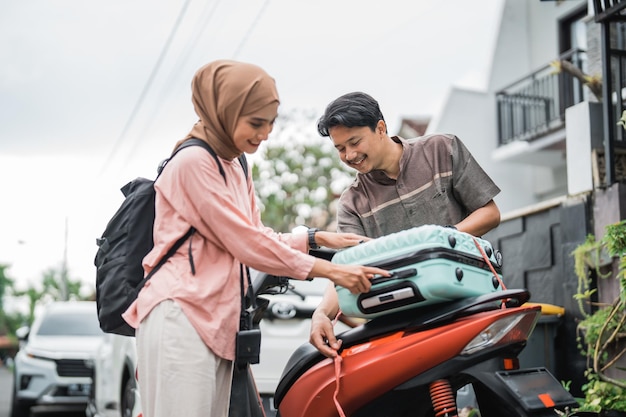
(199, 27)
(185, 56)
(146, 88)
(250, 30)
(180, 62)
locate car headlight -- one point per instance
(35, 354)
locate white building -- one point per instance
(515, 127)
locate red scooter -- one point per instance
(413, 362)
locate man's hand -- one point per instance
(338, 240)
(323, 335)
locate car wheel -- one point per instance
(128, 397)
(18, 408)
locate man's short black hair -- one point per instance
(350, 110)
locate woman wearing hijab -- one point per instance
(187, 323)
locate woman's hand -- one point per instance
(355, 278)
(338, 240)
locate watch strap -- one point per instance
(311, 233)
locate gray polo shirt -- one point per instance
(439, 183)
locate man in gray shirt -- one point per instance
(400, 184)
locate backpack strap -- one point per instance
(193, 142)
(244, 164)
(198, 142)
(168, 255)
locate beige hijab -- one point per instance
(222, 92)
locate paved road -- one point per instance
(6, 387)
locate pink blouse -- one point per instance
(191, 191)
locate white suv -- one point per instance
(54, 364)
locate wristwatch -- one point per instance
(311, 232)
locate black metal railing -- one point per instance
(608, 10)
(535, 105)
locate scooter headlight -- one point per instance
(505, 331)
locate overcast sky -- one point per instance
(93, 94)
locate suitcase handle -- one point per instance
(405, 273)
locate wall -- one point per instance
(536, 245)
(584, 127)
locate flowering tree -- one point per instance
(299, 176)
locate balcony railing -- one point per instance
(535, 105)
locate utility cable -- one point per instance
(199, 28)
(148, 85)
(244, 40)
(186, 55)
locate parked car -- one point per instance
(53, 366)
(285, 326)
(115, 391)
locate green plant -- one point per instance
(602, 333)
(602, 395)
(586, 255)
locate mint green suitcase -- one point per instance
(430, 264)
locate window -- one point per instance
(70, 324)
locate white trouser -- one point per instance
(178, 375)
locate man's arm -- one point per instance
(481, 221)
(322, 332)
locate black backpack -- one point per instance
(126, 240)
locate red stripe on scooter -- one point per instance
(546, 400)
